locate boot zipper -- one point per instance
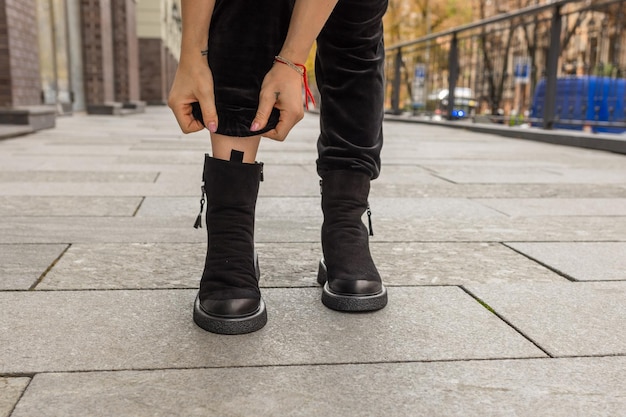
(369, 219)
(198, 223)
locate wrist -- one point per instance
(295, 55)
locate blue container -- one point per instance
(588, 98)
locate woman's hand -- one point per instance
(193, 83)
(281, 88)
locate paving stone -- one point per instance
(10, 392)
(165, 158)
(478, 174)
(179, 229)
(76, 177)
(56, 149)
(48, 163)
(568, 319)
(581, 261)
(68, 206)
(130, 189)
(179, 265)
(575, 229)
(300, 207)
(447, 189)
(529, 388)
(428, 263)
(22, 265)
(46, 331)
(127, 265)
(558, 206)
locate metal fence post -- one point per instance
(453, 73)
(395, 85)
(552, 68)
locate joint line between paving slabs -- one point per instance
(49, 268)
(556, 271)
(21, 395)
(139, 206)
(498, 315)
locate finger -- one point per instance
(266, 104)
(282, 129)
(185, 119)
(209, 112)
(284, 126)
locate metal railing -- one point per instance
(557, 65)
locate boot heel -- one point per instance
(322, 273)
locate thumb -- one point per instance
(208, 113)
(266, 104)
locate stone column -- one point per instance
(20, 83)
(98, 57)
(126, 52)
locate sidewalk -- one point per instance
(505, 261)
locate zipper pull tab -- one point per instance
(262, 174)
(369, 219)
(198, 223)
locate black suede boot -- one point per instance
(347, 272)
(229, 300)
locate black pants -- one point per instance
(245, 36)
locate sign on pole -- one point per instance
(521, 69)
(419, 86)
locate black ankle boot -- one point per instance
(229, 300)
(347, 272)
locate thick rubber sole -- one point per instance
(230, 325)
(349, 302)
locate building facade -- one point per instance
(100, 56)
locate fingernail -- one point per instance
(212, 127)
(254, 127)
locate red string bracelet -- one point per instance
(300, 69)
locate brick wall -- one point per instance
(20, 83)
(126, 50)
(97, 51)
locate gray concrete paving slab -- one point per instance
(11, 390)
(436, 263)
(504, 175)
(130, 189)
(22, 265)
(47, 331)
(127, 266)
(56, 149)
(557, 206)
(179, 265)
(301, 207)
(447, 189)
(45, 163)
(98, 229)
(529, 388)
(426, 229)
(574, 319)
(161, 158)
(68, 206)
(581, 261)
(74, 177)
(175, 184)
